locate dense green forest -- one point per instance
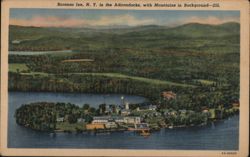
(200, 63)
(43, 115)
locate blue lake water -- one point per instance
(222, 135)
(28, 53)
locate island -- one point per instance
(142, 118)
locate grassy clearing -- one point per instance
(36, 73)
(78, 60)
(153, 81)
(70, 127)
(155, 120)
(212, 112)
(205, 82)
(117, 75)
(17, 67)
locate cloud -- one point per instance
(210, 20)
(121, 20)
(111, 20)
(53, 21)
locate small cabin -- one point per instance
(236, 105)
(205, 111)
(79, 120)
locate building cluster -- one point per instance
(112, 122)
(124, 109)
(116, 116)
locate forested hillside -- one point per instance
(199, 62)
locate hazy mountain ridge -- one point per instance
(188, 36)
(191, 28)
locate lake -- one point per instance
(28, 53)
(221, 135)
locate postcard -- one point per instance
(125, 78)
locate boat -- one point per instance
(145, 133)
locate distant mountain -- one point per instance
(230, 26)
(197, 29)
(23, 33)
(192, 30)
(147, 36)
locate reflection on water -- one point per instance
(222, 135)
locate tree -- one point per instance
(86, 107)
(72, 118)
(88, 118)
(102, 108)
(92, 110)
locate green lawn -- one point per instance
(206, 82)
(16, 67)
(117, 75)
(36, 73)
(23, 67)
(147, 80)
(212, 112)
(70, 127)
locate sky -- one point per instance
(89, 18)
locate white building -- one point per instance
(152, 107)
(118, 119)
(80, 120)
(101, 119)
(125, 112)
(142, 126)
(127, 106)
(132, 120)
(110, 124)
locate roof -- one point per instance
(168, 94)
(117, 117)
(102, 118)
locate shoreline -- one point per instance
(152, 130)
(166, 122)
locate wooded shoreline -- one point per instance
(62, 117)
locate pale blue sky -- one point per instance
(125, 17)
